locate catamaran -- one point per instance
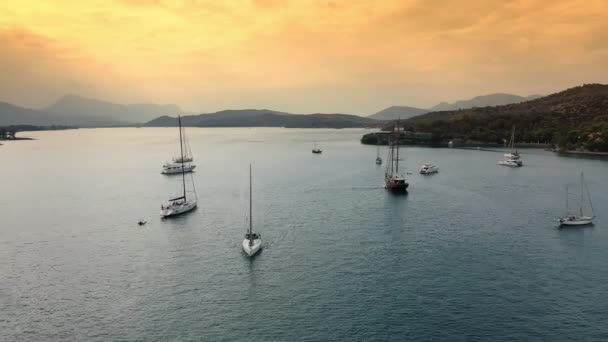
(253, 241)
(183, 162)
(183, 203)
(315, 149)
(393, 180)
(512, 158)
(579, 218)
(173, 168)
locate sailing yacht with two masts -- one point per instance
(393, 179)
(252, 241)
(185, 202)
(579, 218)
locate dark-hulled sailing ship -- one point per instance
(393, 179)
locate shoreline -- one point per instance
(17, 139)
(582, 153)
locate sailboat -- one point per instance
(393, 180)
(187, 158)
(183, 162)
(315, 149)
(579, 218)
(252, 241)
(512, 158)
(183, 203)
(378, 158)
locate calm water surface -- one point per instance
(471, 254)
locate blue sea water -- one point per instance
(470, 254)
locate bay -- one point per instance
(470, 254)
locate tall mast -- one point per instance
(181, 151)
(589, 197)
(582, 192)
(391, 152)
(567, 209)
(397, 160)
(512, 139)
(250, 208)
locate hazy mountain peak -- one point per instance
(72, 105)
(397, 112)
(495, 99)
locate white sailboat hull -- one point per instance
(252, 249)
(169, 169)
(577, 221)
(177, 209)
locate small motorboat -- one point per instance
(141, 222)
(427, 169)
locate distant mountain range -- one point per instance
(80, 111)
(73, 110)
(483, 101)
(404, 112)
(74, 106)
(266, 118)
(84, 112)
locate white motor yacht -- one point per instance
(509, 162)
(427, 169)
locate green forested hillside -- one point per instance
(574, 119)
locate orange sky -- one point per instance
(354, 56)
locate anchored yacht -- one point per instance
(172, 168)
(427, 169)
(393, 179)
(579, 218)
(512, 158)
(253, 241)
(183, 203)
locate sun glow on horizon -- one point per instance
(299, 56)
